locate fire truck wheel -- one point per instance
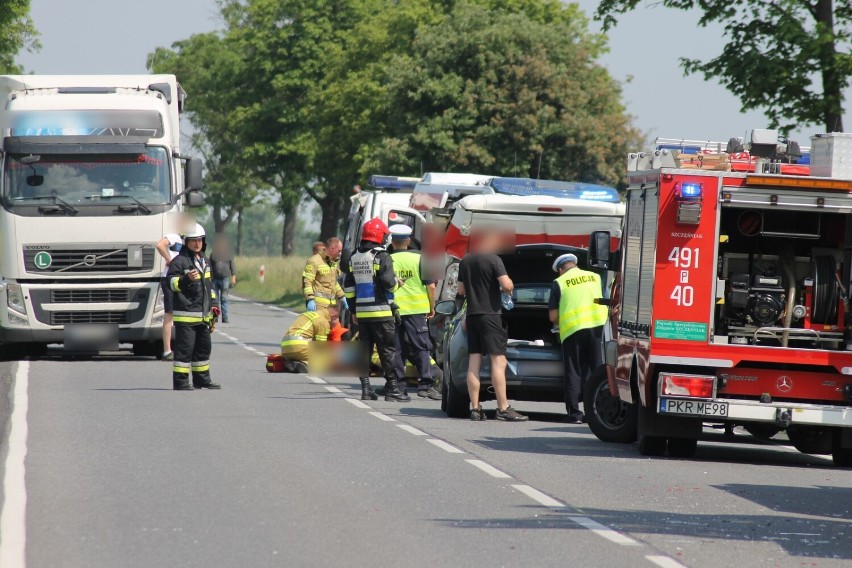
(842, 457)
(762, 430)
(609, 418)
(458, 403)
(810, 440)
(682, 447)
(653, 446)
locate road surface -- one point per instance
(291, 470)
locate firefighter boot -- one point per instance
(394, 394)
(367, 392)
(181, 383)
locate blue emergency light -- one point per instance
(393, 182)
(689, 191)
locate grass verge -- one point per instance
(282, 284)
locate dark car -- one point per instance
(534, 360)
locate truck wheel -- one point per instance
(148, 349)
(682, 447)
(444, 396)
(458, 403)
(653, 446)
(609, 418)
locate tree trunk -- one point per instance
(832, 83)
(330, 217)
(239, 246)
(288, 236)
(218, 222)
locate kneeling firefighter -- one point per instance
(195, 312)
(370, 281)
(309, 326)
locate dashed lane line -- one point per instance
(334, 390)
(489, 469)
(444, 446)
(356, 403)
(13, 518)
(664, 561)
(411, 430)
(604, 531)
(316, 380)
(539, 497)
(383, 417)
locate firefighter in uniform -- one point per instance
(416, 301)
(580, 318)
(195, 311)
(320, 283)
(308, 327)
(371, 282)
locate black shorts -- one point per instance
(168, 303)
(485, 334)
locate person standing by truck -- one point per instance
(483, 280)
(224, 272)
(573, 307)
(195, 311)
(168, 247)
(320, 283)
(416, 301)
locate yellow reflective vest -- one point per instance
(578, 290)
(319, 281)
(413, 296)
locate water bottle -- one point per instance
(506, 298)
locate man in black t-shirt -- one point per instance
(482, 278)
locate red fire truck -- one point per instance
(731, 301)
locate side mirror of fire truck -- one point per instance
(599, 251)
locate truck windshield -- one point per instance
(82, 180)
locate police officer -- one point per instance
(416, 301)
(370, 282)
(580, 320)
(320, 283)
(195, 310)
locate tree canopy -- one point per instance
(790, 58)
(313, 96)
(16, 33)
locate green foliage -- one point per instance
(282, 284)
(772, 54)
(16, 33)
(494, 92)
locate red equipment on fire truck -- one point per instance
(731, 299)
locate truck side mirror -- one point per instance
(599, 254)
(194, 199)
(192, 177)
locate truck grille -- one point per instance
(64, 318)
(88, 260)
(89, 296)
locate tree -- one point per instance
(774, 50)
(505, 93)
(16, 33)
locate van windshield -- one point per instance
(87, 179)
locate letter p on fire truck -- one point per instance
(730, 304)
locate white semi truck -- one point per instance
(92, 176)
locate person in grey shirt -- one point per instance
(224, 272)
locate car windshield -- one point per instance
(87, 179)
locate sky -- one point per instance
(115, 36)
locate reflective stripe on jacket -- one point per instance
(413, 296)
(319, 281)
(309, 325)
(578, 290)
(371, 282)
(194, 304)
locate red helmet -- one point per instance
(375, 231)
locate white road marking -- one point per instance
(489, 469)
(316, 380)
(664, 561)
(334, 390)
(604, 531)
(538, 496)
(444, 446)
(13, 520)
(412, 430)
(356, 403)
(384, 417)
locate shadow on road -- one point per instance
(135, 389)
(824, 537)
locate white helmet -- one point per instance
(195, 233)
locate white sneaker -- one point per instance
(168, 356)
